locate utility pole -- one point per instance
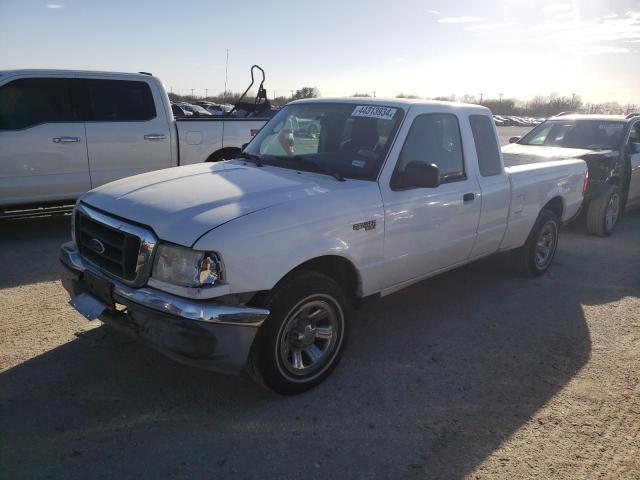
(573, 99)
(374, 94)
(226, 74)
(206, 93)
(481, 98)
(501, 94)
(192, 93)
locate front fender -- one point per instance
(259, 249)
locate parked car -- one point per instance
(610, 144)
(215, 109)
(65, 132)
(517, 121)
(498, 121)
(178, 111)
(256, 263)
(203, 103)
(212, 108)
(195, 110)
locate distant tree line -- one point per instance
(543, 106)
(538, 106)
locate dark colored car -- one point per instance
(609, 144)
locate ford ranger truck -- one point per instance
(257, 262)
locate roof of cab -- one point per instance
(589, 116)
(403, 103)
(55, 72)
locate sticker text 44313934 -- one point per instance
(372, 111)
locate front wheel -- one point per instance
(301, 341)
(536, 255)
(604, 211)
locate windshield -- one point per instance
(591, 134)
(346, 138)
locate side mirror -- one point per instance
(422, 175)
(514, 139)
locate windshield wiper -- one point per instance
(318, 167)
(250, 156)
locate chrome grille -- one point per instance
(121, 249)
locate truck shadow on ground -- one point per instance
(435, 378)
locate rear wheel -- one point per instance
(302, 340)
(536, 255)
(604, 212)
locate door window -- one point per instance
(28, 102)
(634, 136)
(486, 145)
(432, 139)
(120, 101)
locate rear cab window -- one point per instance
(486, 144)
(120, 100)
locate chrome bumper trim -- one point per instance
(209, 312)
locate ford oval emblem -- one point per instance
(96, 245)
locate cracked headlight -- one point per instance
(187, 267)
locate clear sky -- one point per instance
(428, 48)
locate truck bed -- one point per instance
(533, 184)
(219, 118)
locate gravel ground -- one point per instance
(477, 373)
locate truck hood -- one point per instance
(183, 203)
(516, 154)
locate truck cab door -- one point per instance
(43, 150)
(494, 183)
(128, 131)
(633, 153)
(428, 229)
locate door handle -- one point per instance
(155, 136)
(468, 197)
(66, 140)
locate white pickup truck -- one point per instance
(63, 133)
(256, 262)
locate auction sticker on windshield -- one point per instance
(370, 111)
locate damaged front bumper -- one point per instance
(204, 334)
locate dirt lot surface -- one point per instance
(475, 373)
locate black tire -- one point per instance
(528, 260)
(279, 355)
(604, 212)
